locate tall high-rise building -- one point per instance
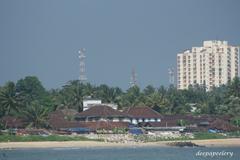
(213, 64)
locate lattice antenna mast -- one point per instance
(133, 81)
(171, 76)
(82, 76)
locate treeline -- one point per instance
(27, 98)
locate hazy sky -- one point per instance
(42, 37)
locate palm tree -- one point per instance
(149, 90)
(74, 92)
(8, 98)
(134, 96)
(60, 99)
(36, 115)
(77, 97)
(157, 102)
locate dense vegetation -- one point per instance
(34, 138)
(27, 98)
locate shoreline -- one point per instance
(233, 142)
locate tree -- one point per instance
(74, 92)
(233, 104)
(133, 96)
(234, 87)
(30, 89)
(58, 100)
(8, 99)
(36, 115)
(236, 121)
(105, 93)
(148, 90)
(221, 100)
(176, 100)
(157, 102)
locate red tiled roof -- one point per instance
(142, 112)
(69, 112)
(172, 120)
(101, 111)
(57, 121)
(222, 125)
(90, 125)
(13, 122)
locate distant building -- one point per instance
(213, 64)
(142, 114)
(13, 122)
(102, 113)
(88, 103)
(57, 120)
(104, 117)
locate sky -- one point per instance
(42, 38)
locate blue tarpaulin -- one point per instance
(136, 131)
(213, 131)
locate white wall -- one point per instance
(88, 103)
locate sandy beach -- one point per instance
(234, 142)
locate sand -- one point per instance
(234, 142)
(70, 144)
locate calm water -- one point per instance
(130, 153)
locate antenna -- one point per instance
(82, 76)
(171, 76)
(133, 81)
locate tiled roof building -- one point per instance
(142, 114)
(58, 122)
(102, 113)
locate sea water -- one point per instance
(123, 153)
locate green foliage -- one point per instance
(33, 138)
(36, 115)
(206, 135)
(234, 87)
(29, 99)
(108, 94)
(74, 92)
(119, 131)
(235, 134)
(236, 121)
(133, 96)
(8, 99)
(30, 88)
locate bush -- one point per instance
(119, 131)
(206, 135)
(236, 121)
(35, 138)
